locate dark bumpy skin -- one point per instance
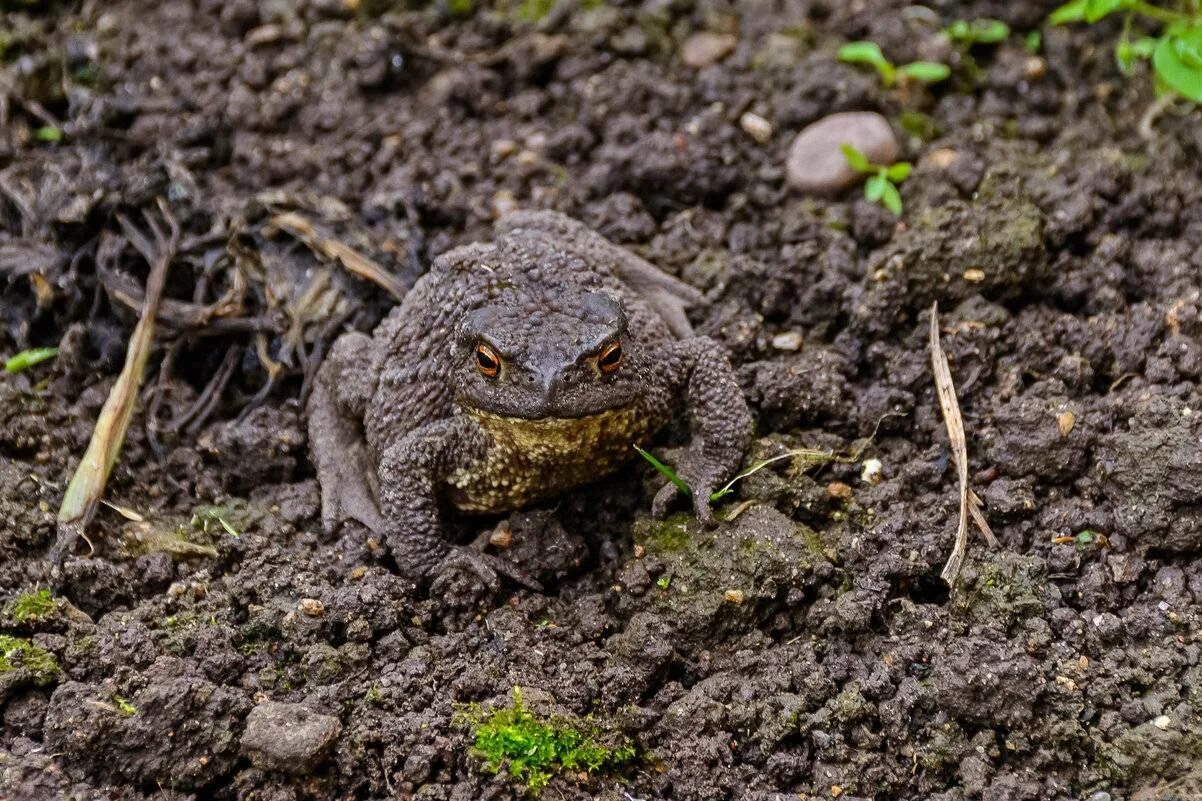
(411, 415)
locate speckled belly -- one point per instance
(531, 460)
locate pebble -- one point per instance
(816, 164)
(789, 340)
(312, 607)
(288, 737)
(501, 537)
(756, 127)
(706, 48)
(871, 472)
(1161, 722)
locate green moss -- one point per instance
(919, 125)
(669, 536)
(17, 653)
(124, 706)
(531, 750)
(532, 10)
(31, 606)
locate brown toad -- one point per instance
(513, 371)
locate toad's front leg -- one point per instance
(697, 372)
(411, 472)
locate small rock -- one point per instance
(503, 202)
(839, 491)
(974, 275)
(501, 537)
(1065, 422)
(1161, 722)
(733, 596)
(312, 607)
(871, 472)
(756, 127)
(817, 165)
(706, 48)
(940, 158)
(789, 340)
(288, 737)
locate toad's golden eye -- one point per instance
(610, 358)
(487, 361)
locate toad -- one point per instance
(511, 372)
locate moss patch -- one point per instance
(18, 654)
(531, 749)
(31, 606)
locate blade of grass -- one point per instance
(28, 358)
(667, 471)
(87, 484)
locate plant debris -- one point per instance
(970, 504)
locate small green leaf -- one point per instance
(990, 31)
(28, 358)
(979, 31)
(891, 199)
(899, 171)
(875, 188)
(925, 71)
(958, 30)
(855, 158)
(1144, 46)
(862, 53)
(48, 133)
(1034, 41)
(1097, 9)
(1178, 62)
(1069, 12)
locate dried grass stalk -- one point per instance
(970, 504)
(87, 484)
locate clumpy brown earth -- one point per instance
(807, 648)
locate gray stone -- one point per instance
(288, 737)
(705, 48)
(816, 164)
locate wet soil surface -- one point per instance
(221, 646)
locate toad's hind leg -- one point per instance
(335, 409)
(669, 296)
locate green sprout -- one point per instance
(29, 607)
(48, 133)
(870, 53)
(663, 582)
(881, 186)
(1176, 53)
(807, 454)
(531, 750)
(124, 706)
(28, 358)
(977, 31)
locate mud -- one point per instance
(805, 648)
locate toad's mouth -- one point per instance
(546, 417)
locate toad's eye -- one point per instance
(487, 361)
(610, 358)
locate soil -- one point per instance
(806, 648)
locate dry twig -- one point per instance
(352, 260)
(87, 484)
(970, 504)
